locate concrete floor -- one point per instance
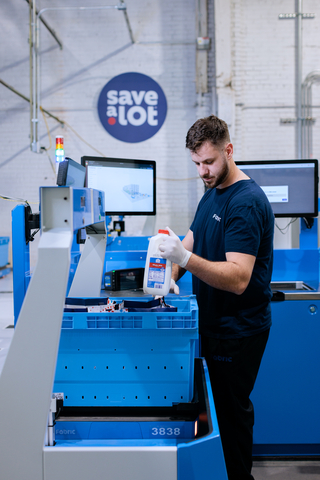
(262, 469)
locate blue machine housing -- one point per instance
(130, 360)
(287, 392)
(286, 395)
(192, 428)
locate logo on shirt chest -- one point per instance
(215, 216)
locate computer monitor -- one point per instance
(129, 185)
(290, 185)
(71, 173)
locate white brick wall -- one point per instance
(262, 91)
(255, 52)
(262, 50)
(96, 47)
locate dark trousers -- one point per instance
(233, 367)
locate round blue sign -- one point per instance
(132, 107)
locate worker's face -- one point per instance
(213, 164)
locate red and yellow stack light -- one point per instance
(59, 149)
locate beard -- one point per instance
(220, 178)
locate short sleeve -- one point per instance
(243, 231)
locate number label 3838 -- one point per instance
(166, 432)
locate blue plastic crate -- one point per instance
(128, 359)
(4, 249)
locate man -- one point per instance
(229, 251)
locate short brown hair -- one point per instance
(210, 129)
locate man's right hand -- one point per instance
(174, 287)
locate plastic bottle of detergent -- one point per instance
(157, 273)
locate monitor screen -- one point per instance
(290, 185)
(129, 185)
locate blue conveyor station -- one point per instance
(119, 395)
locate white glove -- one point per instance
(172, 249)
(174, 287)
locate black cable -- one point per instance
(284, 230)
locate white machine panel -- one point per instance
(111, 463)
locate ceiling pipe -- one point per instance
(35, 18)
(299, 78)
(50, 30)
(307, 120)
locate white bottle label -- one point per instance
(157, 272)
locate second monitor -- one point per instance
(290, 185)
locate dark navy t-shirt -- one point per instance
(239, 219)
